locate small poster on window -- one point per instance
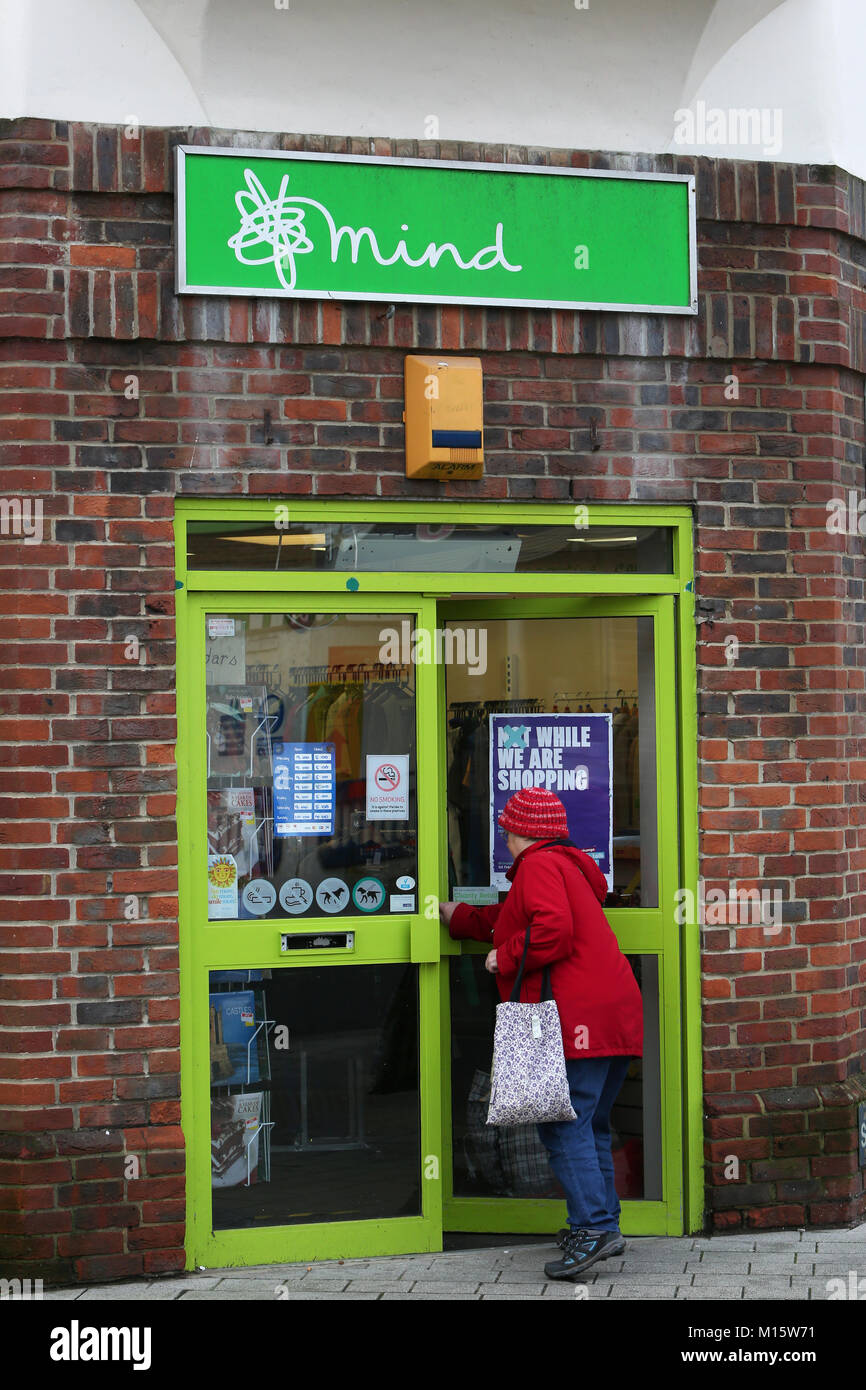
(225, 652)
(476, 897)
(233, 1046)
(570, 755)
(222, 886)
(234, 1143)
(305, 789)
(387, 786)
(231, 831)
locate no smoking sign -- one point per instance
(387, 777)
(387, 786)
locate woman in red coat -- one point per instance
(559, 890)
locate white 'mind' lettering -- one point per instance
(277, 226)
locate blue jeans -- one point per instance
(579, 1150)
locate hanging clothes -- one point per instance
(634, 770)
(622, 741)
(342, 727)
(317, 712)
(387, 720)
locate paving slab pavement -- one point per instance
(781, 1265)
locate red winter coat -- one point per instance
(559, 890)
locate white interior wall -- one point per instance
(553, 656)
(610, 76)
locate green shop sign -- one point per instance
(311, 226)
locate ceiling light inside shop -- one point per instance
(315, 540)
(602, 540)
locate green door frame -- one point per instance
(640, 931)
(418, 938)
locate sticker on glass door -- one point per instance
(304, 789)
(368, 894)
(387, 786)
(296, 896)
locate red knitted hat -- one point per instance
(535, 814)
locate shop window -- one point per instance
(311, 768)
(314, 1095)
(359, 547)
(490, 1161)
(598, 667)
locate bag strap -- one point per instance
(546, 987)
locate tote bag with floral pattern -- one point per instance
(529, 1081)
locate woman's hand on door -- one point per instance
(446, 912)
(490, 962)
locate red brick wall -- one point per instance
(89, 1062)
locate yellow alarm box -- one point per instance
(443, 416)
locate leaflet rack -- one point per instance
(263, 1082)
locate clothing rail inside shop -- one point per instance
(616, 702)
(582, 701)
(357, 673)
(590, 695)
(496, 706)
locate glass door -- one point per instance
(601, 670)
(310, 1020)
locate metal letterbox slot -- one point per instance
(318, 941)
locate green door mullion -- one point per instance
(248, 599)
(690, 964)
(198, 1197)
(445, 582)
(666, 762)
(194, 942)
(427, 925)
(249, 945)
(447, 947)
(670, 1066)
(635, 937)
(259, 511)
(526, 607)
(667, 823)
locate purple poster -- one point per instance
(568, 754)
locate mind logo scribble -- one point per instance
(274, 229)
